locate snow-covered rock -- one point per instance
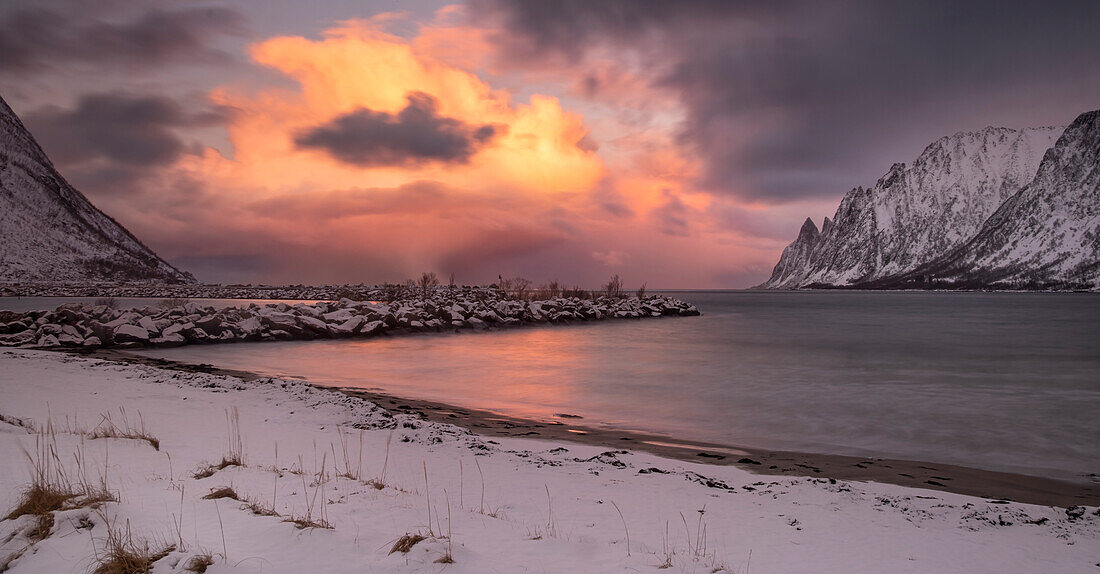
(130, 334)
(478, 308)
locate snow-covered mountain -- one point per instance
(49, 232)
(1045, 236)
(916, 213)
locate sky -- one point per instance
(677, 144)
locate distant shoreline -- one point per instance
(988, 484)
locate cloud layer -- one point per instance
(787, 100)
(35, 39)
(128, 129)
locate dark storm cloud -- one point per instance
(34, 38)
(128, 130)
(787, 100)
(672, 216)
(414, 135)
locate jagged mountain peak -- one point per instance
(1046, 236)
(919, 210)
(49, 232)
(809, 230)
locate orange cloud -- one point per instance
(358, 66)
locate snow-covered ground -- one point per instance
(503, 505)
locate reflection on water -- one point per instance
(1002, 381)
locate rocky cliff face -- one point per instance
(916, 213)
(49, 232)
(1046, 236)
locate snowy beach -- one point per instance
(359, 479)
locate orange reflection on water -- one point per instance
(484, 370)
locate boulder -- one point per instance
(316, 325)
(339, 316)
(127, 333)
(348, 327)
(372, 327)
(171, 340)
(69, 340)
(210, 324)
(147, 323)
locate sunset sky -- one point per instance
(676, 143)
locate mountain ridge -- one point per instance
(881, 236)
(50, 232)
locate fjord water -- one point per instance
(1004, 381)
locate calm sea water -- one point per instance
(1001, 381)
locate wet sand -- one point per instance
(991, 485)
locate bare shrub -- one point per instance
(108, 302)
(641, 291)
(518, 288)
(614, 287)
(551, 290)
(427, 283)
(173, 302)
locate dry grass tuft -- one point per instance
(108, 429)
(406, 542)
(198, 564)
(209, 470)
(221, 492)
(235, 455)
(121, 554)
(52, 489)
(303, 522)
(259, 508)
(42, 498)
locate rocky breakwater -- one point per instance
(99, 326)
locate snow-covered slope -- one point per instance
(1045, 236)
(915, 213)
(49, 232)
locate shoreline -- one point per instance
(994, 486)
